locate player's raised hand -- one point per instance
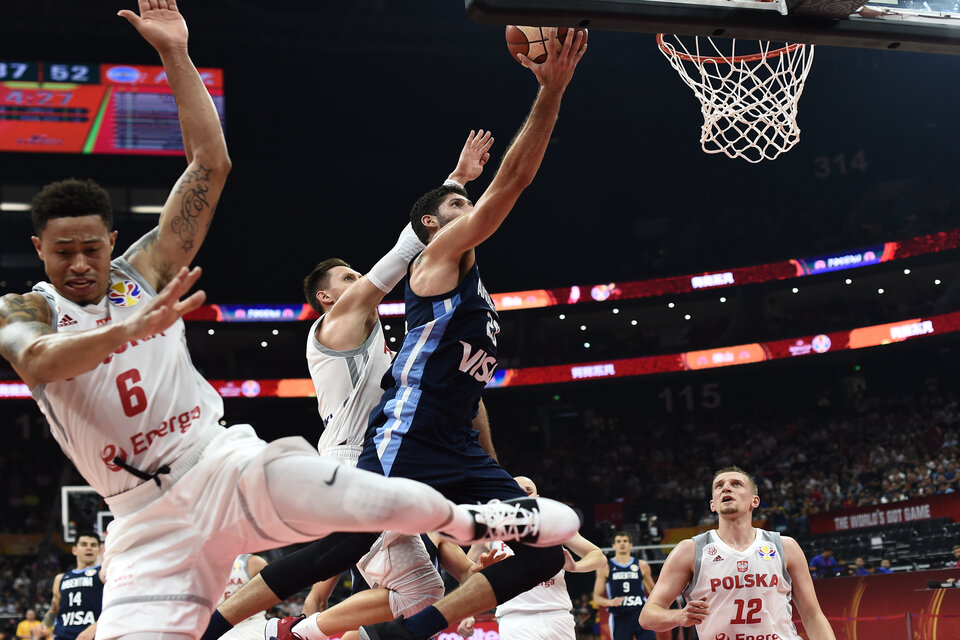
(562, 59)
(493, 556)
(473, 156)
(693, 613)
(160, 24)
(161, 312)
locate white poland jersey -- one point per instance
(550, 595)
(145, 403)
(748, 591)
(239, 577)
(348, 389)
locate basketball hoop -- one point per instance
(748, 99)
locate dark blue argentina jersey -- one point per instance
(627, 581)
(447, 357)
(81, 594)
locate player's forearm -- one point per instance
(590, 562)
(199, 122)
(525, 154)
(482, 424)
(50, 617)
(60, 356)
(657, 618)
(818, 627)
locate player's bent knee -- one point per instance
(527, 568)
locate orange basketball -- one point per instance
(532, 41)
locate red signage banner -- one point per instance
(939, 506)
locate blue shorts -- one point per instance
(625, 625)
(469, 476)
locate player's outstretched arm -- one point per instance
(351, 318)
(189, 209)
(39, 354)
(522, 159)
(591, 557)
(814, 622)
(676, 574)
(50, 617)
(473, 157)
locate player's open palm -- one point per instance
(475, 154)
(556, 71)
(160, 23)
(161, 312)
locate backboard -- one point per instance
(931, 26)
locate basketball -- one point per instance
(532, 41)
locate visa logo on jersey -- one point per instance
(125, 293)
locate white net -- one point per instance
(748, 91)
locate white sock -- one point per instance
(308, 629)
(462, 525)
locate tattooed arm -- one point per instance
(39, 354)
(187, 214)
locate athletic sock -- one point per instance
(217, 626)
(426, 623)
(462, 524)
(308, 629)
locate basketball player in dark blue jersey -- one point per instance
(424, 420)
(422, 428)
(77, 594)
(622, 586)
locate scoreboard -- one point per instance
(63, 107)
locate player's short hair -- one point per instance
(428, 204)
(736, 469)
(620, 534)
(87, 534)
(70, 198)
(319, 279)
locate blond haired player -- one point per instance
(738, 581)
(102, 348)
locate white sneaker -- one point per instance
(538, 522)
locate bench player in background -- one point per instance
(622, 586)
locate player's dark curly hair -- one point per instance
(88, 534)
(427, 205)
(70, 198)
(318, 279)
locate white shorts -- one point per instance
(533, 625)
(249, 629)
(170, 549)
(401, 564)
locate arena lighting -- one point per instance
(14, 206)
(539, 298)
(860, 338)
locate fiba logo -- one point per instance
(124, 294)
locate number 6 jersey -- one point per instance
(748, 591)
(145, 404)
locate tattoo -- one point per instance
(32, 317)
(193, 204)
(143, 244)
(50, 617)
